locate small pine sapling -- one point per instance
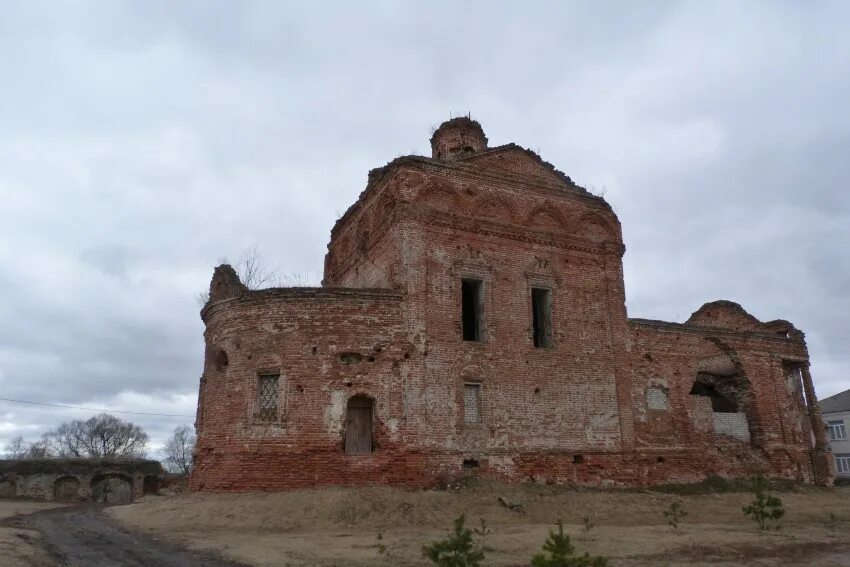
(380, 545)
(833, 521)
(559, 552)
(457, 550)
(587, 527)
(674, 514)
(766, 508)
(482, 532)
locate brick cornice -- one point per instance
(717, 331)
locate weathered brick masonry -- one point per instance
(369, 378)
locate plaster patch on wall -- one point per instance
(335, 411)
(732, 424)
(603, 430)
(503, 464)
(392, 428)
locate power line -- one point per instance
(94, 409)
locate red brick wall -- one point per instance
(574, 412)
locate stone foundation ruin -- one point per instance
(106, 481)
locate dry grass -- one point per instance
(338, 526)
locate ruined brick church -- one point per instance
(472, 320)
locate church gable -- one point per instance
(516, 160)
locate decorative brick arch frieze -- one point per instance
(596, 228)
(440, 195)
(546, 217)
(493, 208)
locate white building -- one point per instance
(836, 416)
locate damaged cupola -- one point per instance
(458, 138)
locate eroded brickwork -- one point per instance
(607, 400)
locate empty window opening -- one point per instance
(795, 381)
(725, 394)
(358, 426)
(221, 359)
(837, 431)
(659, 460)
(469, 464)
(578, 459)
(719, 402)
(471, 403)
(267, 397)
(472, 305)
(541, 309)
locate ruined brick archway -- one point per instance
(111, 489)
(66, 488)
(723, 386)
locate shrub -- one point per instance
(675, 514)
(559, 552)
(456, 550)
(766, 508)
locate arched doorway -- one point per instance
(150, 485)
(8, 487)
(111, 489)
(358, 425)
(66, 488)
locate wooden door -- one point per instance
(358, 426)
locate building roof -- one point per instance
(838, 402)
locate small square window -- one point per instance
(267, 397)
(471, 403)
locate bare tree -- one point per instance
(103, 435)
(18, 448)
(178, 451)
(254, 272)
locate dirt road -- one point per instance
(84, 536)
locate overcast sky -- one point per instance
(143, 142)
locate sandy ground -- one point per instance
(339, 526)
(20, 547)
